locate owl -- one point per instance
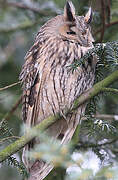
(47, 86)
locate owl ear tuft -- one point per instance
(69, 11)
(88, 16)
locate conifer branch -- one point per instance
(96, 89)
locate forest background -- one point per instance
(97, 146)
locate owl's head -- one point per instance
(76, 28)
(68, 27)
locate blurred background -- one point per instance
(19, 24)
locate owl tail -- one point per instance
(63, 130)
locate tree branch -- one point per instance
(112, 90)
(25, 7)
(107, 117)
(103, 19)
(97, 88)
(13, 109)
(22, 26)
(15, 106)
(85, 145)
(17, 145)
(9, 86)
(106, 26)
(7, 138)
(109, 10)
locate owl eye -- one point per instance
(71, 33)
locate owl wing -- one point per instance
(30, 79)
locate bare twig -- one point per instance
(25, 7)
(106, 117)
(103, 20)
(7, 138)
(19, 27)
(85, 145)
(106, 26)
(114, 150)
(111, 24)
(112, 90)
(9, 86)
(109, 10)
(8, 115)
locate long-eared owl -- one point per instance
(48, 88)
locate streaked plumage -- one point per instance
(48, 88)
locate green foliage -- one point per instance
(11, 161)
(106, 53)
(51, 151)
(18, 27)
(6, 135)
(5, 131)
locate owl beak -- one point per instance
(82, 42)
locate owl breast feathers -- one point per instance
(48, 88)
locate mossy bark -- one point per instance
(20, 143)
